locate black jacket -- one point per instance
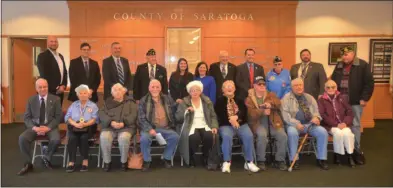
(222, 112)
(111, 77)
(78, 76)
(142, 80)
(361, 81)
(215, 71)
(177, 85)
(242, 79)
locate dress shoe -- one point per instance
(351, 162)
(47, 163)
(145, 166)
(282, 166)
(167, 163)
(70, 168)
(124, 166)
(28, 167)
(359, 157)
(107, 167)
(296, 166)
(323, 164)
(262, 165)
(336, 159)
(84, 168)
(192, 163)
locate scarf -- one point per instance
(232, 108)
(303, 105)
(332, 99)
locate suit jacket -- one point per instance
(242, 79)
(314, 82)
(215, 72)
(78, 77)
(111, 77)
(49, 70)
(142, 80)
(53, 111)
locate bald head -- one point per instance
(52, 43)
(41, 85)
(224, 56)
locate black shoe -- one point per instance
(336, 159)
(359, 157)
(282, 166)
(323, 164)
(124, 166)
(70, 168)
(192, 163)
(262, 165)
(84, 168)
(296, 166)
(351, 161)
(145, 166)
(107, 167)
(167, 163)
(47, 163)
(27, 168)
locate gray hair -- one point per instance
(154, 80)
(194, 83)
(296, 80)
(39, 80)
(118, 85)
(81, 88)
(330, 83)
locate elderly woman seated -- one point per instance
(337, 118)
(118, 119)
(81, 118)
(199, 125)
(232, 118)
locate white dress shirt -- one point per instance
(199, 121)
(299, 72)
(46, 105)
(154, 69)
(225, 67)
(59, 63)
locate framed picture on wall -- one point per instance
(335, 53)
(381, 51)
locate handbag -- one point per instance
(135, 160)
(214, 158)
(74, 129)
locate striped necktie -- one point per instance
(120, 71)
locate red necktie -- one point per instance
(251, 75)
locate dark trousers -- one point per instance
(80, 139)
(195, 140)
(28, 136)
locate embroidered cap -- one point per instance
(259, 79)
(277, 59)
(346, 49)
(151, 52)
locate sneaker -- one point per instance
(226, 167)
(251, 167)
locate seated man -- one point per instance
(156, 116)
(42, 118)
(300, 113)
(263, 106)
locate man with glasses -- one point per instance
(278, 79)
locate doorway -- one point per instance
(24, 53)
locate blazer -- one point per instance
(142, 80)
(314, 82)
(111, 77)
(242, 79)
(78, 77)
(52, 110)
(49, 70)
(178, 83)
(215, 72)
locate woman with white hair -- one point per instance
(118, 119)
(337, 117)
(199, 124)
(81, 119)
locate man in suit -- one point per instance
(115, 69)
(51, 66)
(222, 71)
(245, 74)
(42, 118)
(84, 70)
(312, 73)
(146, 72)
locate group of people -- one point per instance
(210, 106)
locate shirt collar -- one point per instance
(150, 65)
(54, 53)
(45, 97)
(116, 58)
(84, 60)
(78, 103)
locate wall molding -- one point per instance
(344, 36)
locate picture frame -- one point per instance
(335, 52)
(380, 59)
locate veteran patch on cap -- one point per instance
(151, 52)
(259, 79)
(277, 59)
(346, 49)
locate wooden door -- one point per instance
(25, 72)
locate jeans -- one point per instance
(356, 128)
(171, 138)
(246, 136)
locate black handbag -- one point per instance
(78, 130)
(214, 158)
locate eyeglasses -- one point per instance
(330, 87)
(277, 64)
(261, 84)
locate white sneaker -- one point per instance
(251, 167)
(226, 167)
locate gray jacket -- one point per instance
(52, 109)
(125, 112)
(290, 107)
(210, 118)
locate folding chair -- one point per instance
(44, 139)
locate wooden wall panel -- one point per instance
(383, 104)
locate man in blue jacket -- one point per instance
(278, 79)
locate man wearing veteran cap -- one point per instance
(355, 82)
(149, 71)
(278, 79)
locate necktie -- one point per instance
(86, 64)
(251, 69)
(42, 111)
(223, 71)
(120, 72)
(304, 70)
(152, 72)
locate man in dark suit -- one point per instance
(42, 117)
(84, 70)
(51, 66)
(222, 71)
(146, 72)
(245, 74)
(115, 69)
(312, 73)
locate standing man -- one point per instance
(245, 74)
(222, 71)
(84, 70)
(115, 69)
(355, 82)
(146, 72)
(313, 74)
(51, 66)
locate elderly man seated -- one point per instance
(300, 113)
(42, 118)
(156, 116)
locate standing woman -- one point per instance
(179, 80)
(209, 84)
(278, 79)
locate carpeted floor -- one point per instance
(377, 144)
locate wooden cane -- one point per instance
(299, 149)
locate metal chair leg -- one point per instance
(65, 156)
(99, 156)
(34, 152)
